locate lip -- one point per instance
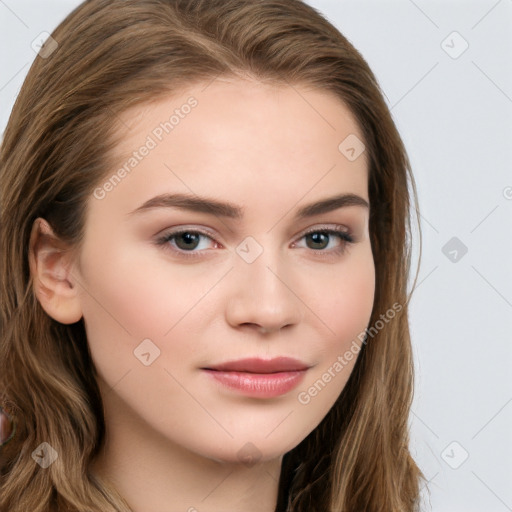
(257, 365)
(259, 378)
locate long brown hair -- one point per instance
(105, 57)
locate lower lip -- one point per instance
(259, 385)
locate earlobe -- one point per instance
(50, 268)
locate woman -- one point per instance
(205, 223)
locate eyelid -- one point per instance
(339, 228)
(210, 233)
(163, 240)
(184, 228)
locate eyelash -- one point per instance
(344, 236)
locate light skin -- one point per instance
(174, 436)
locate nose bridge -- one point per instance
(262, 293)
(262, 274)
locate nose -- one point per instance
(262, 297)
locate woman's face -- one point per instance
(234, 164)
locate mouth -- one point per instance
(259, 378)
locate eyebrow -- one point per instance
(232, 211)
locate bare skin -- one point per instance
(177, 440)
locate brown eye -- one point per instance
(319, 239)
(187, 240)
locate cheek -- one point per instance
(142, 296)
(344, 310)
(351, 309)
(130, 297)
(346, 304)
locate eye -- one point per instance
(192, 242)
(186, 241)
(335, 239)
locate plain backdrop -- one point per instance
(445, 68)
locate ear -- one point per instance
(50, 268)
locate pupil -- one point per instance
(319, 238)
(189, 238)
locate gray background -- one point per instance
(453, 107)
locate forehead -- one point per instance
(238, 137)
(239, 104)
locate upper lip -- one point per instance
(256, 365)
